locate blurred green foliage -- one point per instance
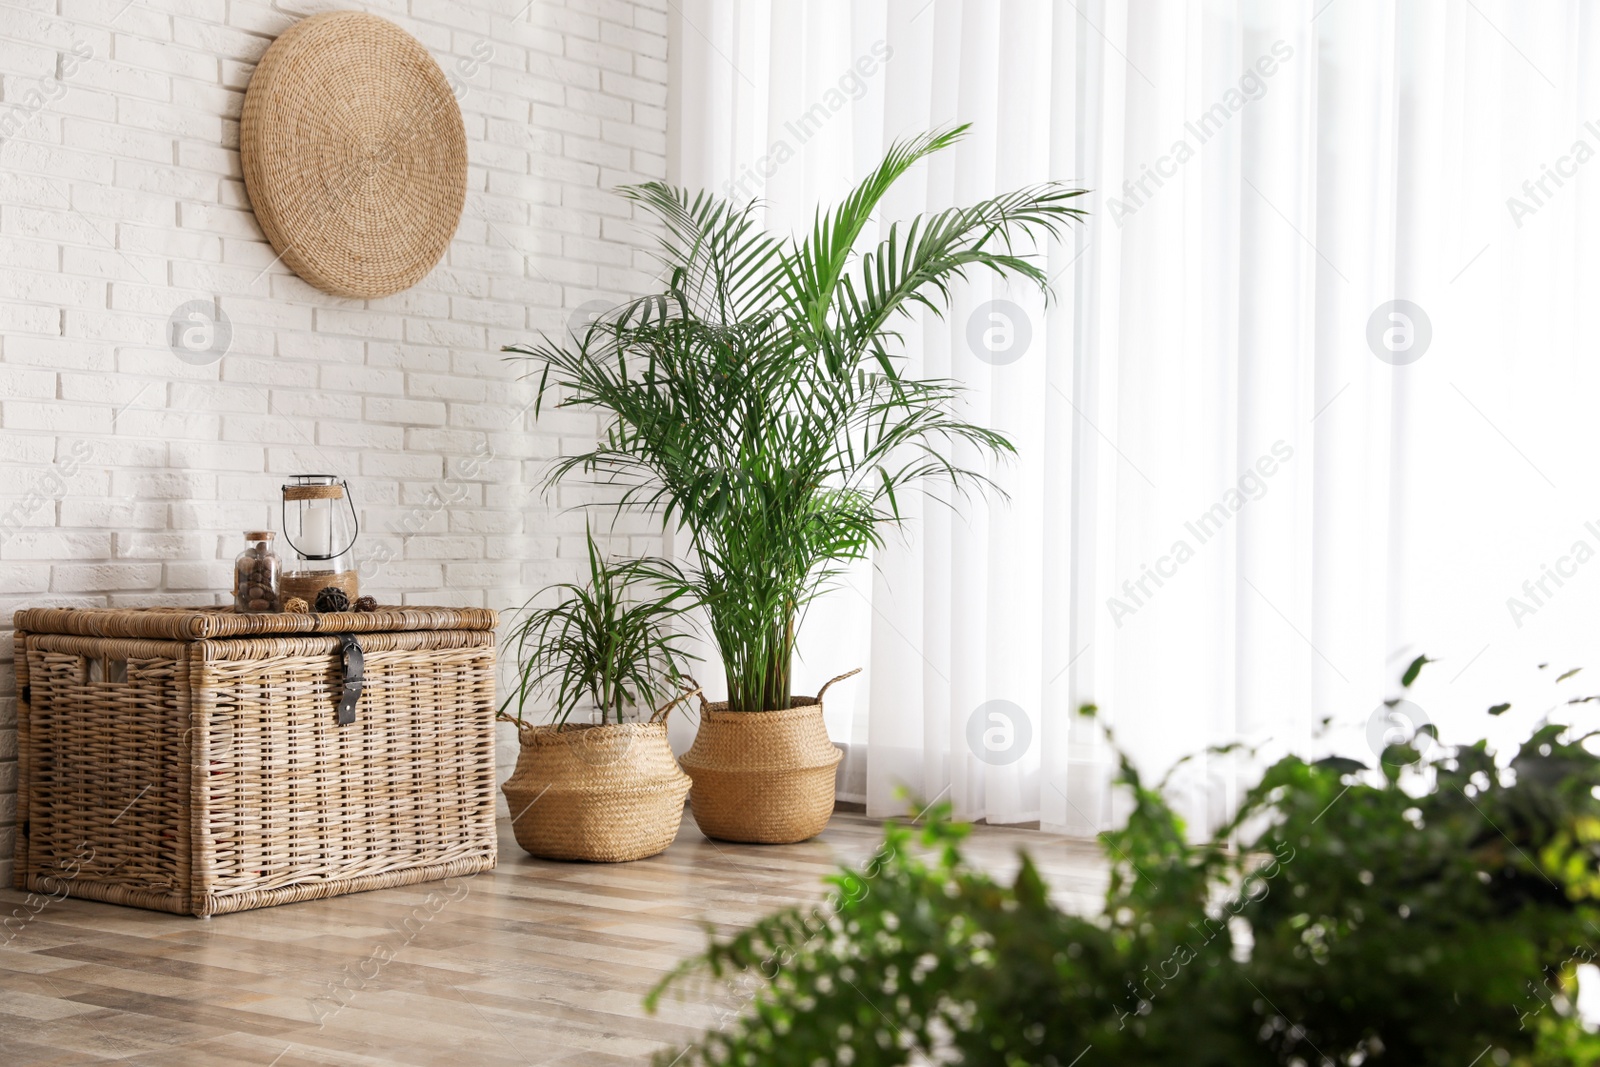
(1432, 911)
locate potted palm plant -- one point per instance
(758, 404)
(608, 790)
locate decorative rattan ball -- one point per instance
(296, 605)
(354, 154)
(332, 598)
(366, 603)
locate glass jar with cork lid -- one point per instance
(257, 574)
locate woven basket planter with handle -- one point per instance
(763, 777)
(601, 793)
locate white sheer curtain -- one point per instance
(1248, 488)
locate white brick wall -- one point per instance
(127, 475)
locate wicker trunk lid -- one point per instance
(191, 760)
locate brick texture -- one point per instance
(127, 474)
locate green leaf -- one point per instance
(1412, 671)
(1545, 735)
(1340, 764)
(1499, 709)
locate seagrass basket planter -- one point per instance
(763, 777)
(194, 761)
(607, 794)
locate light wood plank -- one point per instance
(533, 963)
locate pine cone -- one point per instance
(296, 605)
(367, 603)
(332, 598)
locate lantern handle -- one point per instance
(355, 527)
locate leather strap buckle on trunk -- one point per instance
(354, 664)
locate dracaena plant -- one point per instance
(611, 642)
(758, 401)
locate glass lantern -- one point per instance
(320, 529)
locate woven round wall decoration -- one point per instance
(354, 154)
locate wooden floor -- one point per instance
(532, 963)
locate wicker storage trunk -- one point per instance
(192, 760)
